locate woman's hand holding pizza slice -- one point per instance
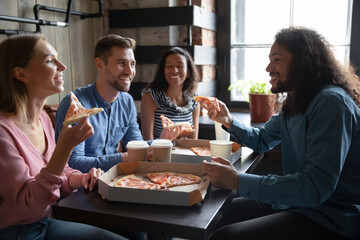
(184, 129)
(77, 111)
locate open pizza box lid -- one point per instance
(180, 196)
(181, 151)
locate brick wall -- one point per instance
(164, 36)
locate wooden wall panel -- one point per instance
(74, 44)
(9, 8)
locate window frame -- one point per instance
(223, 45)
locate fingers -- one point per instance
(170, 133)
(222, 176)
(149, 154)
(220, 160)
(83, 121)
(212, 113)
(90, 179)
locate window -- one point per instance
(244, 45)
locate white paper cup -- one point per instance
(220, 133)
(162, 150)
(137, 150)
(221, 148)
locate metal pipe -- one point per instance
(40, 22)
(189, 40)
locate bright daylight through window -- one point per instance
(254, 24)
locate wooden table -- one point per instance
(195, 222)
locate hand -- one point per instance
(223, 116)
(149, 153)
(71, 136)
(90, 179)
(124, 157)
(170, 133)
(222, 173)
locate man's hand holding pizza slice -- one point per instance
(217, 110)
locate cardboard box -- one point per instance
(182, 153)
(180, 196)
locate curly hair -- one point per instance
(190, 84)
(313, 66)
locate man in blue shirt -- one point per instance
(115, 64)
(318, 195)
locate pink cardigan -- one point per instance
(27, 189)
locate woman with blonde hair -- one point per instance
(33, 170)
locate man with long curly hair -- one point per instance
(318, 194)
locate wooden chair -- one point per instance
(51, 111)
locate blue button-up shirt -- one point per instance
(117, 122)
(320, 162)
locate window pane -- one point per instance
(254, 24)
(257, 21)
(342, 54)
(330, 18)
(249, 64)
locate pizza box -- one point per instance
(181, 151)
(179, 196)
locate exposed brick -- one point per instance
(207, 72)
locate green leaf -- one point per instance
(245, 87)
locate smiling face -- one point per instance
(120, 68)
(43, 73)
(175, 70)
(279, 68)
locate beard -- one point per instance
(281, 87)
(120, 86)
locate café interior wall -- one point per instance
(74, 44)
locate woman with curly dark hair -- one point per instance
(171, 94)
(318, 194)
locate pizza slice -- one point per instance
(76, 111)
(172, 179)
(201, 151)
(186, 127)
(131, 181)
(209, 102)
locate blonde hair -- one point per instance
(15, 51)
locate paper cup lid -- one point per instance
(137, 144)
(161, 143)
(221, 142)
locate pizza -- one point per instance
(209, 102)
(131, 181)
(172, 179)
(186, 127)
(77, 111)
(201, 151)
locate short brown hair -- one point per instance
(106, 43)
(15, 51)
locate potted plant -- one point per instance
(261, 100)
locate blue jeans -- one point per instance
(52, 229)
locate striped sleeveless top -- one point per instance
(170, 109)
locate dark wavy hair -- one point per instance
(190, 84)
(313, 66)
